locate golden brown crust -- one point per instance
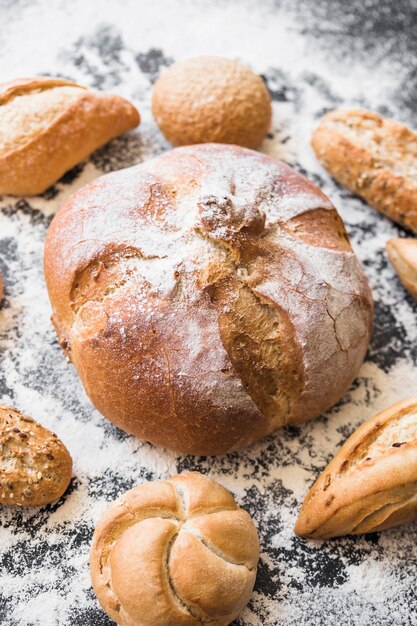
(403, 255)
(371, 483)
(86, 122)
(178, 551)
(208, 318)
(212, 99)
(35, 466)
(373, 157)
(21, 86)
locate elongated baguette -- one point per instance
(48, 125)
(374, 157)
(403, 255)
(371, 484)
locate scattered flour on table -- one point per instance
(121, 46)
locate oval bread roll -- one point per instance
(373, 157)
(35, 466)
(371, 484)
(48, 125)
(178, 551)
(207, 297)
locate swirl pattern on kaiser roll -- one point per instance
(207, 297)
(177, 551)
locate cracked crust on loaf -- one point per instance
(207, 297)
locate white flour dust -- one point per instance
(122, 46)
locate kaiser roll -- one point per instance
(207, 297)
(178, 552)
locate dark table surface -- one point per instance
(314, 55)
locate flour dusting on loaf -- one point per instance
(207, 297)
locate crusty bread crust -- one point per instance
(403, 255)
(21, 86)
(212, 100)
(178, 551)
(86, 123)
(35, 466)
(373, 157)
(207, 297)
(371, 484)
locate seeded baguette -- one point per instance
(48, 125)
(373, 157)
(371, 484)
(35, 466)
(403, 255)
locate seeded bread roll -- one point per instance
(35, 466)
(371, 484)
(178, 551)
(374, 157)
(207, 297)
(48, 125)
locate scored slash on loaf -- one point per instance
(207, 297)
(178, 551)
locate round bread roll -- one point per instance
(211, 99)
(35, 466)
(207, 297)
(178, 551)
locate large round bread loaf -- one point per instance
(207, 297)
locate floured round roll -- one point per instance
(178, 552)
(207, 297)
